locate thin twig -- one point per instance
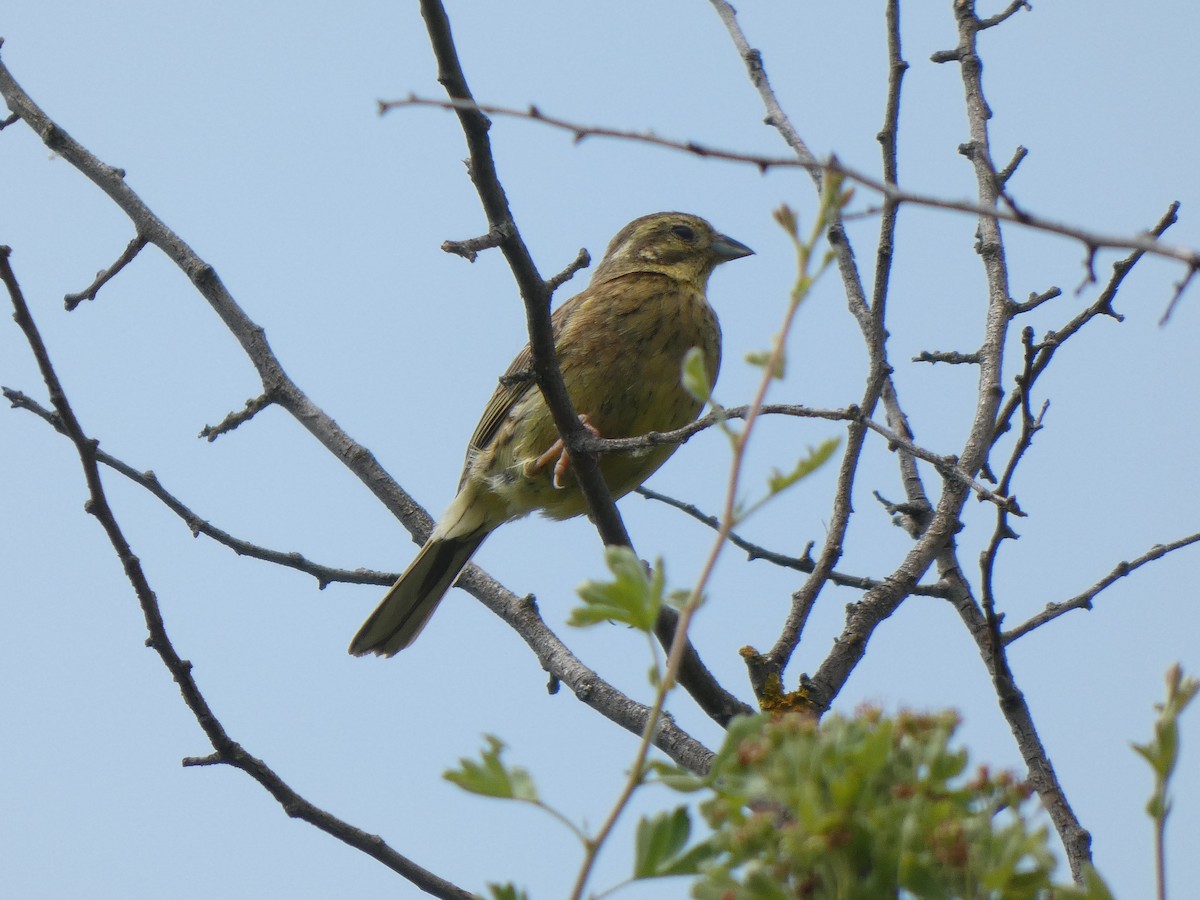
(799, 563)
(1083, 600)
(1092, 241)
(953, 357)
(1034, 301)
(1180, 287)
(324, 575)
(102, 277)
(253, 407)
(1102, 306)
(1001, 16)
(680, 435)
(580, 262)
(469, 249)
(947, 467)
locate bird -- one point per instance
(620, 345)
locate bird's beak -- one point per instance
(725, 248)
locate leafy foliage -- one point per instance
(1162, 752)
(805, 466)
(867, 807)
(633, 597)
(660, 846)
(491, 777)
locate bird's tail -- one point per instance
(406, 608)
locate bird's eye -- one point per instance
(684, 233)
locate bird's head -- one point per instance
(677, 244)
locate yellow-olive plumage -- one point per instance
(620, 345)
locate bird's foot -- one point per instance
(558, 455)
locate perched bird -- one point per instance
(620, 346)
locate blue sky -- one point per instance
(251, 129)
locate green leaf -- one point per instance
(695, 375)
(779, 481)
(491, 777)
(762, 359)
(861, 808)
(633, 597)
(507, 891)
(675, 777)
(659, 846)
(679, 598)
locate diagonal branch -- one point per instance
(1102, 306)
(277, 385)
(880, 601)
(984, 624)
(134, 247)
(226, 749)
(519, 613)
(694, 675)
(357, 458)
(800, 564)
(1083, 600)
(198, 525)
(890, 191)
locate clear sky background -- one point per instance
(251, 129)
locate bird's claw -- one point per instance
(560, 456)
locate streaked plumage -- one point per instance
(620, 344)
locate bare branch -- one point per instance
(803, 599)
(947, 467)
(102, 277)
(1042, 777)
(694, 675)
(1012, 8)
(227, 750)
(533, 289)
(1083, 600)
(1092, 241)
(469, 249)
(197, 525)
(253, 406)
(521, 614)
(560, 662)
(776, 117)
(1008, 171)
(582, 261)
(800, 564)
(680, 435)
(953, 357)
(580, 132)
(277, 384)
(1180, 287)
(1034, 301)
(1047, 347)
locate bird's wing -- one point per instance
(515, 383)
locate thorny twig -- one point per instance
(1092, 241)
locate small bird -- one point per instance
(620, 346)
